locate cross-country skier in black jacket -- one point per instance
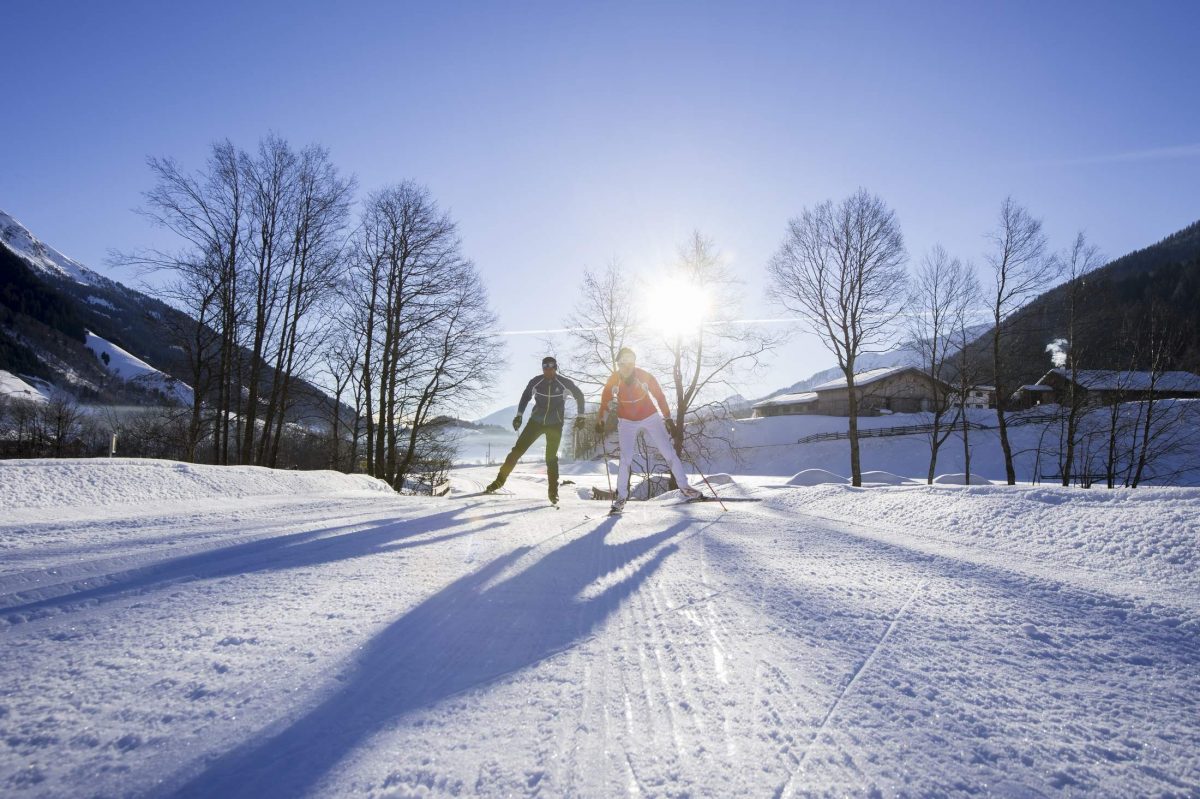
(549, 392)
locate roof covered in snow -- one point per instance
(802, 398)
(863, 378)
(1114, 380)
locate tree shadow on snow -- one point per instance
(472, 632)
(276, 553)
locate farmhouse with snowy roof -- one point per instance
(895, 389)
(1107, 386)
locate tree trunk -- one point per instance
(855, 466)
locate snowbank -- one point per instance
(1139, 533)
(883, 479)
(960, 479)
(39, 483)
(816, 477)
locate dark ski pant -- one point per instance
(553, 433)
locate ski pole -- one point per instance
(607, 478)
(710, 488)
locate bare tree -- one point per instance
(967, 369)
(941, 295)
(206, 211)
(1161, 427)
(1081, 259)
(458, 356)
(715, 350)
(426, 340)
(60, 421)
(1021, 270)
(842, 269)
(339, 374)
(270, 185)
(262, 237)
(605, 319)
(316, 264)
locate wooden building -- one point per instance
(898, 389)
(1107, 386)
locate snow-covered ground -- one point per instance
(14, 388)
(172, 630)
(770, 447)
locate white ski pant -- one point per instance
(657, 437)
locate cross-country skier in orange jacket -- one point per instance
(636, 392)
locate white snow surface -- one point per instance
(43, 257)
(815, 477)
(961, 479)
(88, 482)
(243, 633)
(130, 367)
(769, 446)
(14, 388)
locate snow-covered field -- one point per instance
(769, 447)
(173, 630)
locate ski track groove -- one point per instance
(788, 789)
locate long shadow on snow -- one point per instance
(463, 637)
(1116, 617)
(278, 553)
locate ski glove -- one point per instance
(517, 422)
(599, 426)
(670, 423)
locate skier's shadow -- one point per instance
(275, 553)
(465, 636)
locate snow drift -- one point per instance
(94, 482)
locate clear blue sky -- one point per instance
(560, 135)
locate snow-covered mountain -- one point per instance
(50, 304)
(500, 418)
(44, 258)
(135, 370)
(59, 319)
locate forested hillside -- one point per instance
(1127, 311)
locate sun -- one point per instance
(675, 308)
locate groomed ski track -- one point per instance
(387, 646)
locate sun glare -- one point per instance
(674, 308)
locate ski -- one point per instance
(706, 498)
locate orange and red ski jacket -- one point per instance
(635, 397)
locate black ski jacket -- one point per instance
(550, 398)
